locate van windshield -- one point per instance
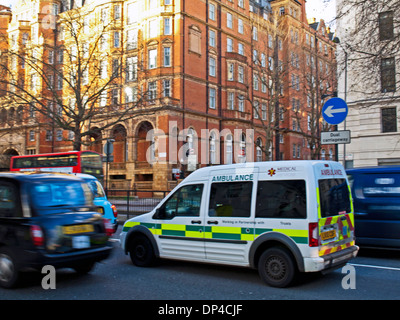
(334, 197)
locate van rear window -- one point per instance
(334, 197)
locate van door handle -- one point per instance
(196, 221)
(212, 222)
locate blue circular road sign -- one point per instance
(335, 110)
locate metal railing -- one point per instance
(131, 203)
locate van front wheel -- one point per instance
(141, 252)
(276, 267)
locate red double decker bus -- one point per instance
(89, 162)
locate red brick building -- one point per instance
(232, 77)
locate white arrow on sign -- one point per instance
(329, 112)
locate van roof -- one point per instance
(202, 173)
(377, 169)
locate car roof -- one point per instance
(36, 175)
(379, 169)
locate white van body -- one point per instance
(279, 217)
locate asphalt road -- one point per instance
(377, 276)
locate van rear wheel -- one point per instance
(276, 267)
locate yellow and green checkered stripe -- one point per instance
(216, 232)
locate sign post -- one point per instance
(108, 150)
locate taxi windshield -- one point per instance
(59, 194)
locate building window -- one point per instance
(240, 26)
(241, 74)
(388, 75)
(241, 48)
(212, 67)
(229, 45)
(389, 119)
(117, 12)
(153, 26)
(211, 12)
(229, 20)
(167, 26)
(116, 39)
(167, 88)
(152, 59)
(59, 135)
(31, 135)
(167, 57)
(152, 90)
(231, 100)
(386, 25)
(231, 68)
(241, 103)
(49, 135)
(212, 98)
(211, 39)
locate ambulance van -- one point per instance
(278, 217)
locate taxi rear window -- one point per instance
(334, 197)
(59, 194)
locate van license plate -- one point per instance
(83, 228)
(326, 235)
(80, 242)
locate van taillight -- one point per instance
(37, 235)
(313, 234)
(114, 209)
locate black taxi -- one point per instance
(48, 219)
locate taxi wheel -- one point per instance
(8, 270)
(276, 267)
(141, 251)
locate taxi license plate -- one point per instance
(330, 234)
(82, 228)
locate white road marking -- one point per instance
(374, 267)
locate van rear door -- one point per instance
(335, 209)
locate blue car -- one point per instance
(376, 198)
(100, 199)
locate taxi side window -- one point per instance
(184, 202)
(281, 199)
(230, 199)
(9, 204)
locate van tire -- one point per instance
(141, 251)
(276, 267)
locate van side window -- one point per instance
(184, 202)
(9, 204)
(230, 199)
(281, 199)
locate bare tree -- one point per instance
(72, 77)
(368, 46)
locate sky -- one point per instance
(319, 9)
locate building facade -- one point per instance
(368, 59)
(198, 83)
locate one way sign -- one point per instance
(335, 111)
